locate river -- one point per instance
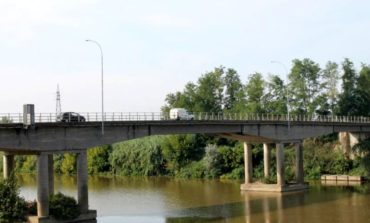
(168, 200)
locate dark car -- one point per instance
(70, 117)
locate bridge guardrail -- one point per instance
(158, 116)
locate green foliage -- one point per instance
(363, 158)
(13, 208)
(25, 164)
(355, 98)
(195, 169)
(140, 157)
(209, 93)
(69, 164)
(180, 150)
(321, 158)
(98, 159)
(212, 161)
(235, 174)
(304, 86)
(330, 84)
(275, 99)
(231, 157)
(255, 92)
(234, 98)
(218, 161)
(63, 207)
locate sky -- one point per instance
(152, 48)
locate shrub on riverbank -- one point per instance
(13, 208)
(140, 157)
(63, 207)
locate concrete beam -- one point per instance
(42, 185)
(82, 180)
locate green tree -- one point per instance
(13, 208)
(255, 92)
(185, 99)
(304, 86)
(69, 163)
(139, 157)
(180, 150)
(209, 93)
(234, 98)
(98, 159)
(364, 90)
(349, 99)
(275, 101)
(330, 78)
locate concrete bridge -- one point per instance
(44, 139)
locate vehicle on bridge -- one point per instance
(70, 117)
(180, 114)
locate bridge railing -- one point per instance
(209, 116)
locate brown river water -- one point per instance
(168, 200)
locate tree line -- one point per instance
(310, 89)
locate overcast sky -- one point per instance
(152, 48)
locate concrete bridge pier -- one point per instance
(248, 162)
(281, 184)
(299, 172)
(45, 188)
(42, 185)
(266, 159)
(8, 165)
(280, 166)
(82, 177)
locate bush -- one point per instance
(25, 164)
(139, 157)
(98, 159)
(181, 150)
(235, 174)
(195, 169)
(63, 207)
(13, 208)
(69, 164)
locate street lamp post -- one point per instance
(286, 91)
(102, 84)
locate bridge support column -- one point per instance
(280, 167)
(299, 173)
(42, 185)
(8, 165)
(266, 159)
(82, 177)
(51, 174)
(248, 162)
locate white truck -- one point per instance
(180, 114)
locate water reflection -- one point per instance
(167, 200)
